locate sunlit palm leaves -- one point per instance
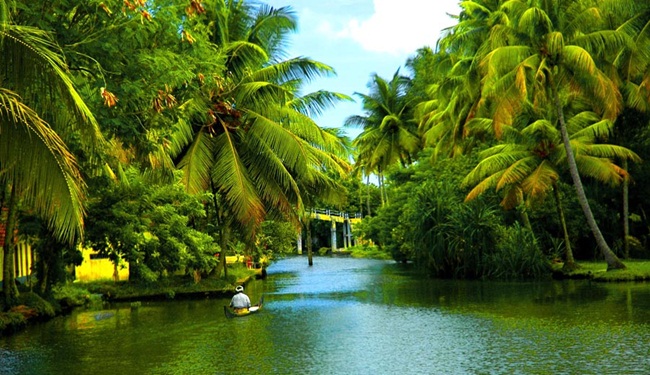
(456, 95)
(388, 135)
(39, 105)
(252, 139)
(531, 159)
(549, 62)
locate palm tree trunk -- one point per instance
(223, 244)
(380, 176)
(626, 214)
(361, 194)
(9, 287)
(612, 260)
(523, 214)
(224, 235)
(569, 262)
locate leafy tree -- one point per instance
(276, 238)
(52, 257)
(630, 67)
(453, 96)
(527, 164)
(149, 226)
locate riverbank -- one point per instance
(637, 270)
(173, 287)
(32, 308)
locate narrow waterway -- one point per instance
(351, 316)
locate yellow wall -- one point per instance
(98, 269)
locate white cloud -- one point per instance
(399, 27)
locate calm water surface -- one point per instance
(350, 316)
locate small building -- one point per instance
(99, 267)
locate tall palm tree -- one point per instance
(39, 105)
(550, 63)
(250, 139)
(527, 164)
(323, 185)
(389, 135)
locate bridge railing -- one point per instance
(342, 214)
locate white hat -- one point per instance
(239, 288)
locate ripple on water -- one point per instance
(346, 316)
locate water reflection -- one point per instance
(349, 316)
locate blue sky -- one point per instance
(361, 37)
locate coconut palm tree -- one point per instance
(250, 138)
(549, 62)
(527, 164)
(39, 106)
(389, 135)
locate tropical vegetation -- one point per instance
(168, 134)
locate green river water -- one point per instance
(353, 316)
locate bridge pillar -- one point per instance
(299, 243)
(348, 226)
(333, 235)
(345, 236)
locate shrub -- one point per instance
(12, 322)
(43, 308)
(71, 295)
(516, 256)
(372, 252)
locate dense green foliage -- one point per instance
(150, 226)
(161, 133)
(519, 101)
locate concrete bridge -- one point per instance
(344, 218)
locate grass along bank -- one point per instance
(637, 270)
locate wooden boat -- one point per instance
(230, 313)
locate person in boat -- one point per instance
(240, 301)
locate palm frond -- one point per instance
(517, 171)
(231, 178)
(483, 186)
(600, 169)
(40, 167)
(300, 68)
(315, 103)
(197, 162)
(612, 152)
(534, 21)
(33, 65)
(540, 181)
(491, 164)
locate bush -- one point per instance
(372, 252)
(516, 256)
(43, 308)
(12, 322)
(238, 271)
(70, 295)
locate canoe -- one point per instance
(230, 313)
